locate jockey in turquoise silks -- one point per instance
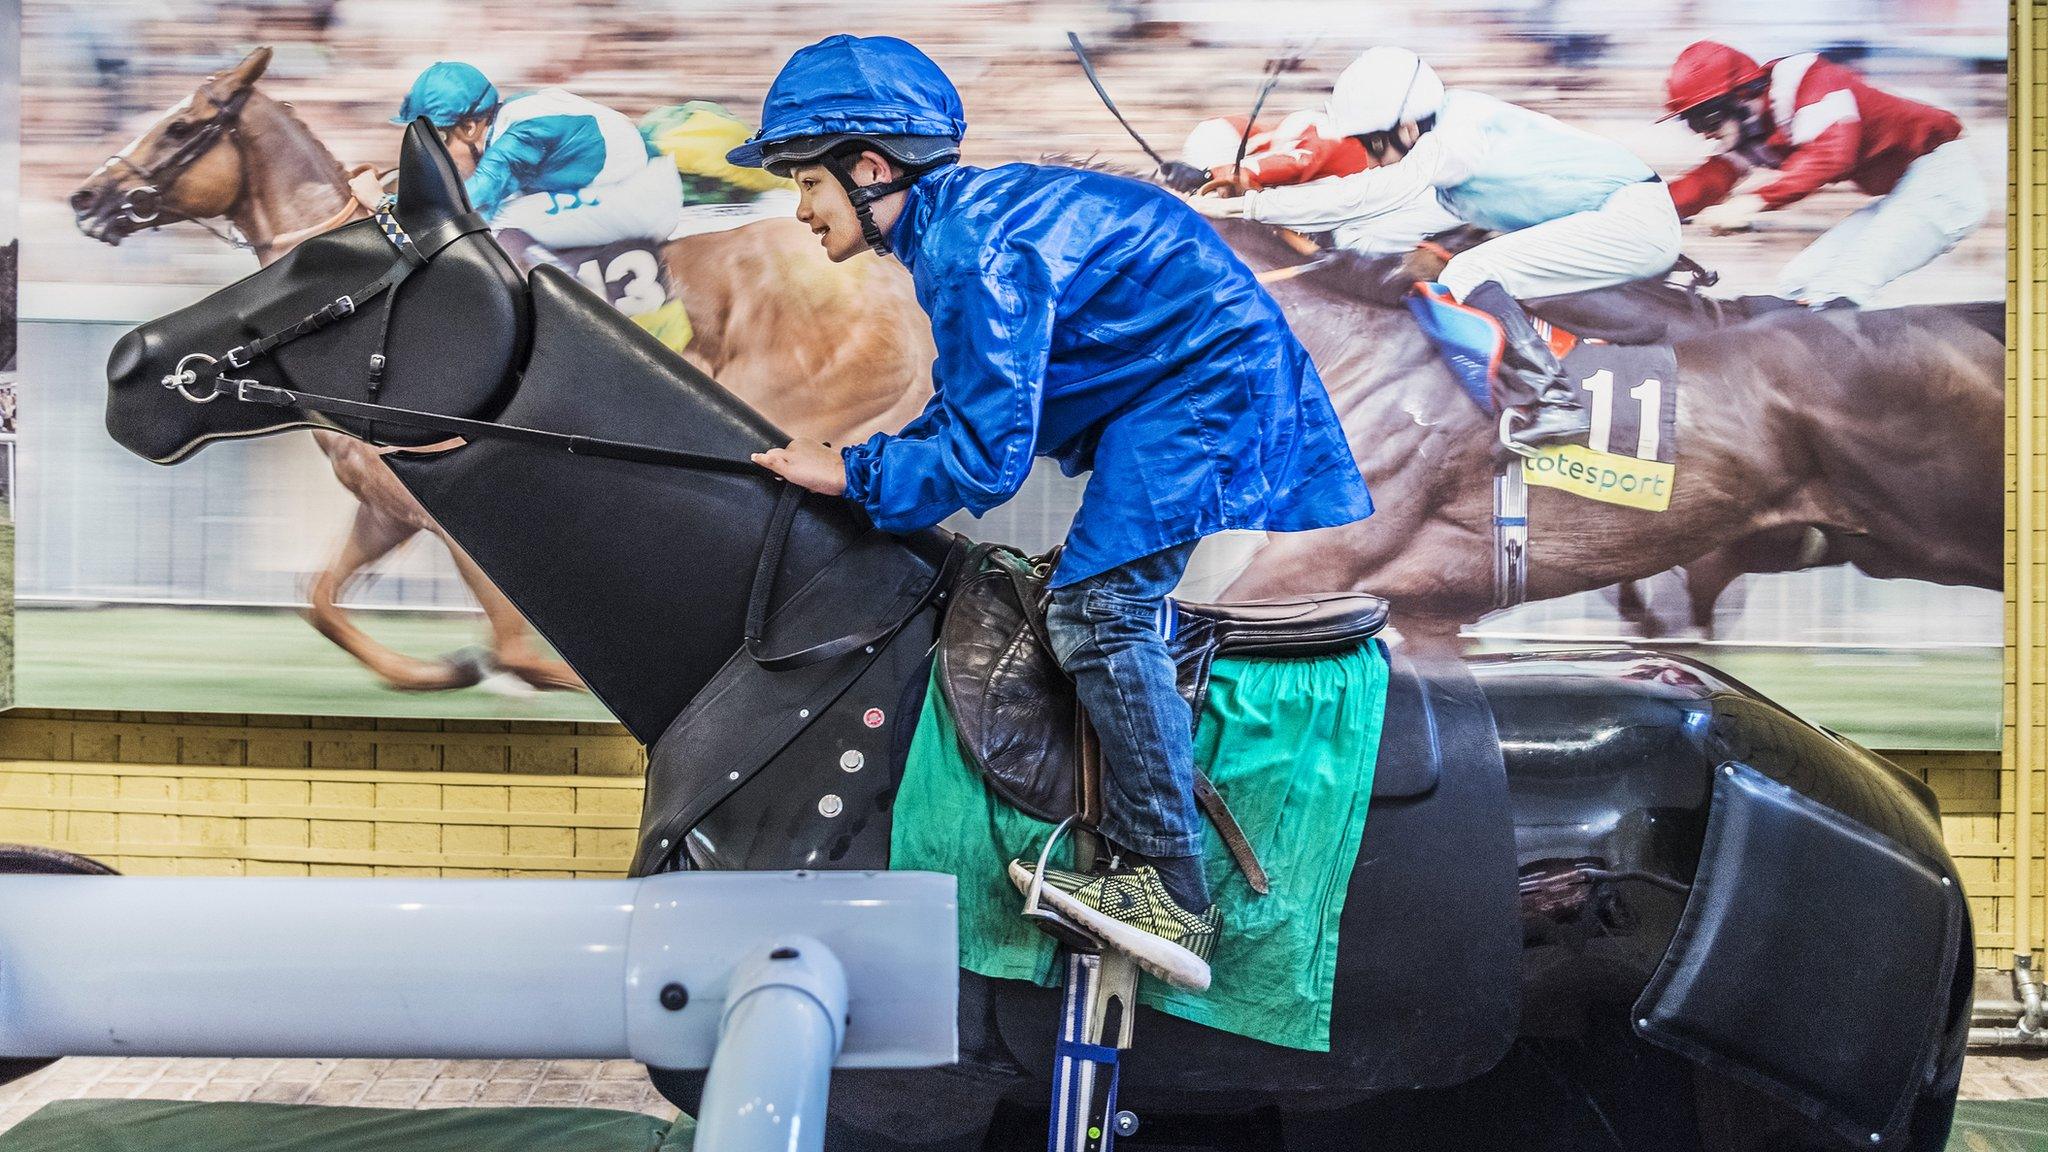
(1096, 320)
(568, 172)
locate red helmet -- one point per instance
(1706, 70)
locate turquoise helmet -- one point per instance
(447, 93)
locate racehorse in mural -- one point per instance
(1783, 459)
(1600, 898)
(764, 308)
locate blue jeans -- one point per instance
(1105, 632)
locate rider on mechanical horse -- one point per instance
(566, 171)
(1302, 149)
(1816, 122)
(1093, 319)
(1574, 211)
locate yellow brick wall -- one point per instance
(1979, 835)
(1993, 902)
(295, 796)
(299, 796)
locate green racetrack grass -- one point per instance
(1922, 699)
(145, 658)
(139, 658)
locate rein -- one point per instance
(414, 253)
(359, 202)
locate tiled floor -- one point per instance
(620, 1084)
(2001, 1077)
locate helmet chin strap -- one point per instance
(864, 195)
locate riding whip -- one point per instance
(1279, 65)
(1088, 68)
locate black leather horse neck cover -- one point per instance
(646, 597)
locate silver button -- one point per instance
(851, 760)
(830, 805)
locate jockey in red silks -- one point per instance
(1301, 149)
(1816, 122)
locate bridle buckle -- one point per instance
(256, 392)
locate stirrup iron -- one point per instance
(1049, 920)
(1507, 428)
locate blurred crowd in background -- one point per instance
(97, 71)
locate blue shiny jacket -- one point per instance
(1097, 320)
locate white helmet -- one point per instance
(1212, 144)
(1382, 88)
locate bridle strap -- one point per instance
(428, 244)
(225, 115)
(780, 522)
(166, 171)
(412, 253)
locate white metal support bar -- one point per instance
(667, 970)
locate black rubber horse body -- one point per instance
(1604, 900)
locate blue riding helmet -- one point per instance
(447, 93)
(847, 93)
(856, 86)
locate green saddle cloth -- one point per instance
(178, 1126)
(1290, 744)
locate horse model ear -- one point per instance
(429, 189)
(242, 75)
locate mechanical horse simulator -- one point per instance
(1601, 899)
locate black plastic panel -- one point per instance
(1753, 987)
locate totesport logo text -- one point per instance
(1602, 476)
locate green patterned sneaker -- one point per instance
(1132, 912)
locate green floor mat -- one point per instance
(2000, 1126)
(178, 1126)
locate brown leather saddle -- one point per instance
(1015, 709)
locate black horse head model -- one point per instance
(332, 316)
(1602, 900)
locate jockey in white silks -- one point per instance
(1302, 149)
(567, 171)
(1574, 211)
